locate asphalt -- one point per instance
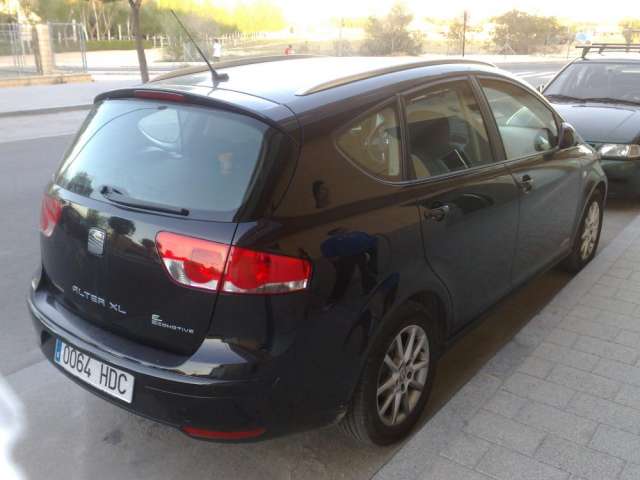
(64, 432)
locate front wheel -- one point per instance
(396, 380)
(588, 237)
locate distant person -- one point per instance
(289, 50)
(217, 50)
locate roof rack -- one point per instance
(383, 71)
(229, 63)
(609, 47)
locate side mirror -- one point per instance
(567, 136)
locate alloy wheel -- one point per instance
(590, 231)
(403, 375)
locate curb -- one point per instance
(43, 111)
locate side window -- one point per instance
(446, 130)
(373, 143)
(526, 125)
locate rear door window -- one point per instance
(181, 156)
(373, 143)
(446, 131)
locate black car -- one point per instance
(296, 244)
(599, 94)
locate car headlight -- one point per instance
(620, 150)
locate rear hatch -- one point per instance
(138, 168)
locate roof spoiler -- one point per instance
(609, 47)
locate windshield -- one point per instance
(165, 154)
(586, 80)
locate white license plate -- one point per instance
(104, 377)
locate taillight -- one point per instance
(50, 213)
(258, 272)
(215, 266)
(192, 261)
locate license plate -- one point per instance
(98, 374)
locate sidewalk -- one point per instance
(53, 98)
(560, 401)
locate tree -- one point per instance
(524, 33)
(135, 21)
(630, 29)
(391, 35)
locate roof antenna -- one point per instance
(217, 77)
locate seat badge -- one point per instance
(95, 242)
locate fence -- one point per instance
(42, 49)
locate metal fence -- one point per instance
(69, 46)
(16, 50)
(30, 50)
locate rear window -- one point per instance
(181, 156)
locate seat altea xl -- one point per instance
(296, 244)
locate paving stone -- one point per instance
(566, 356)
(631, 472)
(610, 281)
(583, 311)
(604, 290)
(561, 423)
(608, 304)
(627, 295)
(466, 449)
(539, 390)
(473, 395)
(536, 366)
(615, 442)
(447, 470)
(606, 411)
(629, 396)
(622, 273)
(532, 334)
(562, 337)
(579, 460)
(584, 381)
(505, 404)
(504, 464)
(628, 338)
(603, 348)
(506, 432)
(619, 371)
(627, 322)
(590, 327)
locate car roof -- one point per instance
(283, 80)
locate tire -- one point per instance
(363, 420)
(582, 254)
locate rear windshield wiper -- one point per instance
(116, 196)
(611, 100)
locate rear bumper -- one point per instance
(198, 392)
(623, 177)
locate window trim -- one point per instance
(394, 103)
(543, 101)
(468, 78)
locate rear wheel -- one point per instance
(586, 242)
(396, 380)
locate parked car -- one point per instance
(599, 94)
(297, 244)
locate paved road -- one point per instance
(70, 434)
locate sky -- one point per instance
(298, 11)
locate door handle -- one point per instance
(437, 214)
(526, 183)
